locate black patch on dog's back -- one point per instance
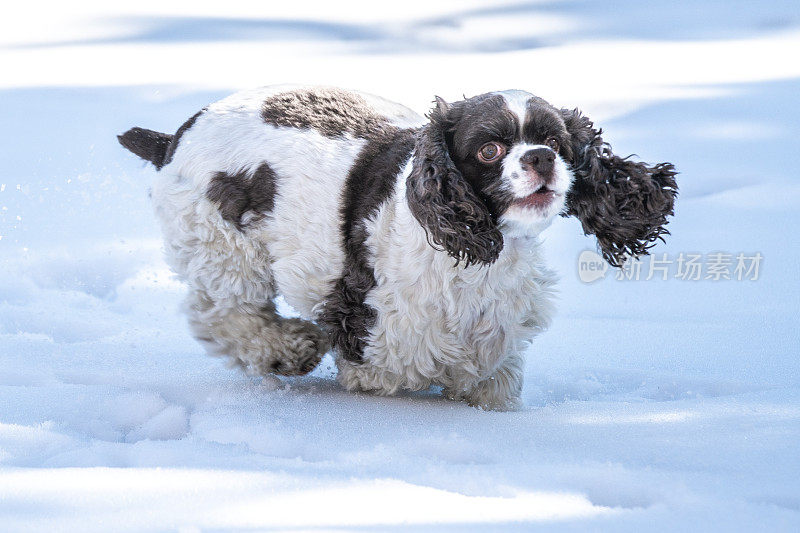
(331, 112)
(236, 194)
(370, 182)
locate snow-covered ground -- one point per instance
(650, 405)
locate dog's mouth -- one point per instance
(543, 197)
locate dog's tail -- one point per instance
(148, 144)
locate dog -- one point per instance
(410, 246)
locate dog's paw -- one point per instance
(304, 344)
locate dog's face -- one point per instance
(505, 164)
(508, 147)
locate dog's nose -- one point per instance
(541, 160)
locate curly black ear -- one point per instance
(624, 203)
(443, 202)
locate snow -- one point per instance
(649, 405)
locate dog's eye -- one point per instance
(491, 152)
(552, 142)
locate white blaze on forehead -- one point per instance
(517, 102)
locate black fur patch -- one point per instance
(148, 144)
(370, 182)
(176, 139)
(453, 196)
(543, 121)
(470, 123)
(468, 126)
(239, 193)
(331, 112)
(624, 203)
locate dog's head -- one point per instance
(505, 164)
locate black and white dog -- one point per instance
(409, 246)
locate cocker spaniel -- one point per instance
(409, 246)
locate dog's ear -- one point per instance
(443, 202)
(625, 204)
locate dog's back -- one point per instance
(235, 156)
(250, 199)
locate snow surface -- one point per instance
(650, 405)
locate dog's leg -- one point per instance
(256, 337)
(231, 288)
(500, 391)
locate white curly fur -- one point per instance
(461, 328)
